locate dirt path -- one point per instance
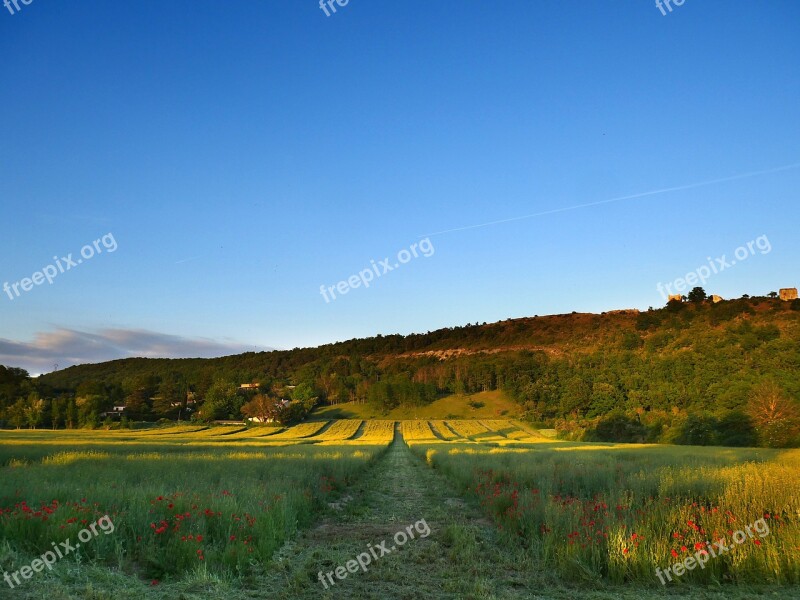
(398, 492)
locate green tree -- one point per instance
(698, 430)
(697, 295)
(34, 410)
(605, 398)
(220, 402)
(55, 412)
(16, 413)
(737, 429)
(171, 391)
(618, 427)
(72, 414)
(138, 405)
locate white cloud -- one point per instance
(67, 347)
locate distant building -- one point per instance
(249, 386)
(715, 299)
(788, 294)
(675, 297)
(190, 401)
(114, 413)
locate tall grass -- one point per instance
(220, 507)
(617, 512)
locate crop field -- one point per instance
(339, 431)
(444, 432)
(213, 512)
(616, 512)
(381, 432)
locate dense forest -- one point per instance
(692, 372)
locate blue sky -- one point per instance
(244, 154)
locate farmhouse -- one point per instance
(115, 413)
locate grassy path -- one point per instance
(399, 491)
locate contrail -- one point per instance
(621, 198)
(185, 260)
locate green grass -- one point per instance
(605, 512)
(178, 508)
(513, 514)
(496, 405)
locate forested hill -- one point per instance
(555, 334)
(693, 349)
(695, 357)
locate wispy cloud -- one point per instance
(67, 347)
(688, 186)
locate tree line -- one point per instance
(687, 373)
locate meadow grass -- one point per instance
(220, 505)
(176, 508)
(481, 405)
(617, 512)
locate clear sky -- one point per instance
(243, 154)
